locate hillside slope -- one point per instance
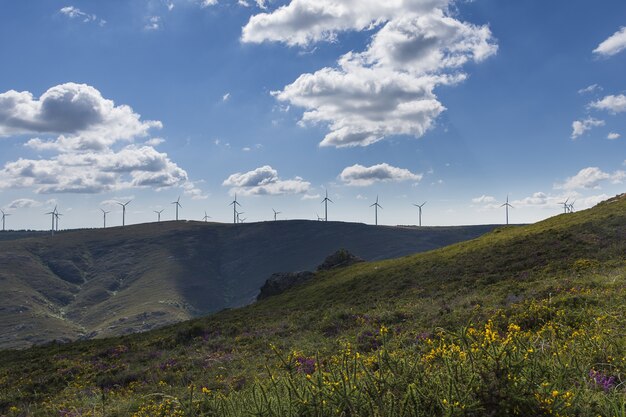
(521, 321)
(114, 281)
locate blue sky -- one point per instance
(457, 103)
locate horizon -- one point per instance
(464, 105)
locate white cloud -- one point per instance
(94, 172)
(75, 13)
(388, 89)
(612, 104)
(154, 23)
(613, 44)
(225, 97)
(590, 89)
(206, 3)
(23, 203)
(77, 112)
(264, 181)
(302, 22)
(613, 136)
(359, 175)
(154, 141)
(86, 156)
(246, 149)
(484, 199)
(591, 178)
(311, 196)
(579, 127)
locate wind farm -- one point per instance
(567, 206)
(293, 208)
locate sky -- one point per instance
(458, 104)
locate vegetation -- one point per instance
(120, 280)
(525, 321)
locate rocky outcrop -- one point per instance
(279, 282)
(339, 259)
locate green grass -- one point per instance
(120, 280)
(522, 321)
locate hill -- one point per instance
(103, 282)
(521, 321)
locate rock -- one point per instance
(339, 259)
(279, 282)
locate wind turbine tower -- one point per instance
(235, 204)
(507, 205)
(565, 205)
(206, 217)
(571, 206)
(177, 203)
(4, 216)
(326, 200)
(419, 207)
(158, 215)
(376, 206)
(104, 217)
(275, 213)
(124, 211)
(56, 216)
(53, 215)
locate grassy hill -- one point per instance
(104, 282)
(525, 321)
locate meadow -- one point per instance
(525, 321)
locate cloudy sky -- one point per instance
(457, 103)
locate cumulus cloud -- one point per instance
(77, 112)
(23, 203)
(612, 104)
(591, 178)
(484, 199)
(75, 13)
(207, 3)
(613, 136)
(579, 127)
(86, 154)
(359, 175)
(614, 44)
(387, 89)
(302, 22)
(264, 181)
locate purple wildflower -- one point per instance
(606, 382)
(305, 364)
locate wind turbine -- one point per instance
(53, 215)
(4, 215)
(319, 219)
(275, 213)
(124, 211)
(419, 207)
(177, 203)
(235, 204)
(206, 217)
(104, 217)
(325, 201)
(238, 214)
(565, 205)
(376, 206)
(571, 206)
(56, 216)
(158, 214)
(507, 205)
